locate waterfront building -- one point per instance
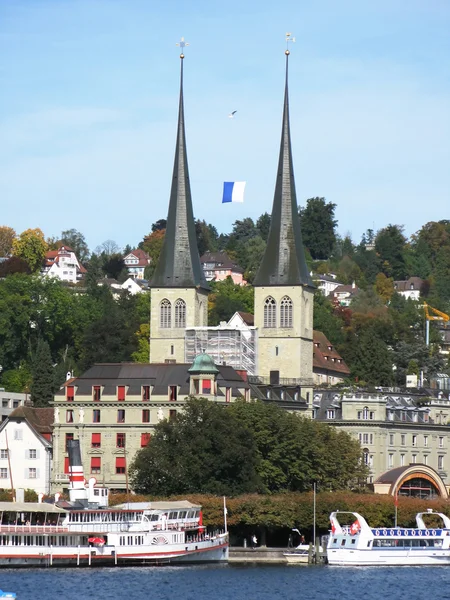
(397, 430)
(113, 408)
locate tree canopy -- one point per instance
(244, 447)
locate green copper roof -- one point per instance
(284, 260)
(203, 363)
(179, 261)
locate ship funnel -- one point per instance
(77, 490)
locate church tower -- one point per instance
(283, 288)
(179, 292)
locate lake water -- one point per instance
(227, 582)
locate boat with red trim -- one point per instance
(86, 531)
(353, 543)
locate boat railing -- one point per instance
(12, 528)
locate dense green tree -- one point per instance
(263, 225)
(390, 247)
(111, 336)
(42, 384)
(153, 244)
(226, 298)
(250, 255)
(76, 240)
(206, 237)
(17, 380)
(206, 449)
(31, 246)
(326, 321)
(114, 267)
(318, 227)
(369, 357)
(159, 225)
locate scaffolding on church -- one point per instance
(226, 346)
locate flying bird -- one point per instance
(231, 115)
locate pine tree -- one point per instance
(42, 371)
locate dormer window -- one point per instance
(173, 393)
(70, 393)
(96, 393)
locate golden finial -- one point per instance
(182, 45)
(289, 38)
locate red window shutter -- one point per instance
(145, 438)
(120, 462)
(96, 462)
(96, 438)
(121, 392)
(66, 465)
(70, 392)
(207, 386)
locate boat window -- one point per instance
(335, 541)
(369, 543)
(343, 542)
(353, 541)
(173, 515)
(154, 518)
(183, 514)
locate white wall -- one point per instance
(22, 439)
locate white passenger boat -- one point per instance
(86, 532)
(354, 543)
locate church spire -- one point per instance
(284, 260)
(179, 261)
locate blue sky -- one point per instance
(88, 108)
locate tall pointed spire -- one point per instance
(284, 260)
(179, 261)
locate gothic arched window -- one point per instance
(270, 313)
(165, 314)
(180, 313)
(286, 312)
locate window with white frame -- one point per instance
(391, 460)
(32, 473)
(3, 473)
(402, 460)
(331, 413)
(165, 314)
(32, 453)
(286, 312)
(391, 439)
(414, 440)
(270, 313)
(403, 439)
(18, 434)
(180, 314)
(425, 441)
(414, 459)
(425, 459)
(3, 454)
(441, 442)
(440, 463)
(365, 413)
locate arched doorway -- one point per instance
(415, 481)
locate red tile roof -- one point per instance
(326, 357)
(141, 255)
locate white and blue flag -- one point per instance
(233, 191)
